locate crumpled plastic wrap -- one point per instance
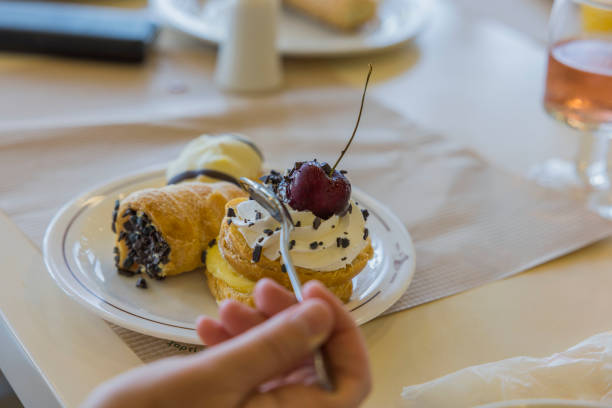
(584, 372)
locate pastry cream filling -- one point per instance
(218, 267)
(230, 154)
(332, 245)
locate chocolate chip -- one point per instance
(344, 242)
(284, 268)
(141, 283)
(128, 262)
(231, 212)
(203, 257)
(125, 272)
(291, 244)
(298, 224)
(258, 215)
(212, 243)
(316, 223)
(257, 253)
(365, 233)
(365, 214)
(314, 245)
(229, 221)
(268, 232)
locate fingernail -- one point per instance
(316, 319)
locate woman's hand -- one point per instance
(258, 358)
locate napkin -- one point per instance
(583, 372)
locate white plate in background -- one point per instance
(396, 22)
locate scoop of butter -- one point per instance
(232, 154)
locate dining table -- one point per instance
(474, 73)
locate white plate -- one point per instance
(396, 22)
(78, 253)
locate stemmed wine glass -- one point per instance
(579, 94)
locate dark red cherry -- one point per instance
(309, 187)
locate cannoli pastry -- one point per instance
(164, 231)
(330, 242)
(343, 14)
(231, 154)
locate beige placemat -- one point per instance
(471, 223)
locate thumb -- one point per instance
(275, 346)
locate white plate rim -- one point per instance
(54, 255)
(168, 14)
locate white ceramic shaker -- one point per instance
(248, 59)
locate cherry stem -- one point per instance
(365, 88)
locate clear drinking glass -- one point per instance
(579, 93)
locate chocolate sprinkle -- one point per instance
(258, 215)
(115, 250)
(260, 239)
(231, 212)
(320, 243)
(128, 262)
(343, 171)
(146, 247)
(117, 205)
(284, 268)
(125, 272)
(316, 223)
(291, 244)
(257, 253)
(365, 214)
(212, 243)
(251, 224)
(203, 257)
(268, 232)
(338, 242)
(365, 233)
(314, 245)
(141, 283)
(344, 242)
(344, 258)
(229, 221)
(298, 224)
(350, 209)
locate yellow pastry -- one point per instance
(343, 14)
(225, 283)
(164, 231)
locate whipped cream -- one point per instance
(320, 245)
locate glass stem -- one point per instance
(592, 160)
